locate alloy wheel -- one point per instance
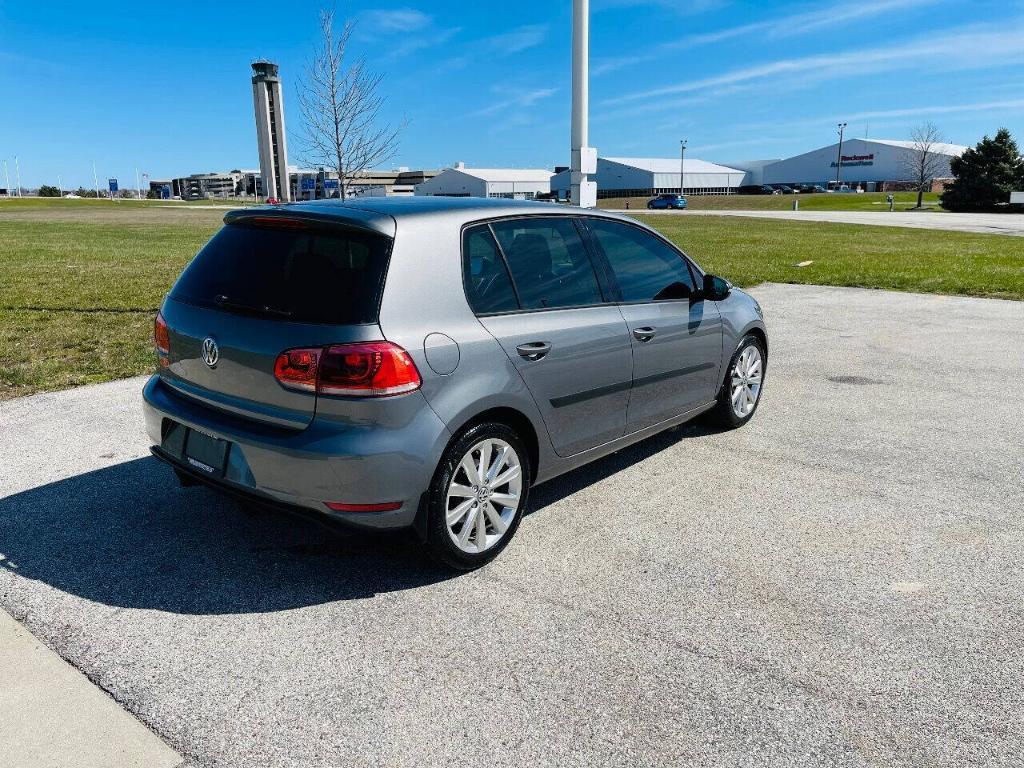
(745, 386)
(484, 495)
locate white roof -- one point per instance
(671, 165)
(507, 174)
(937, 148)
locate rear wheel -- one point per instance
(478, 496)
(741, 390)
(650, 206)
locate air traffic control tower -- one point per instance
(269, 106)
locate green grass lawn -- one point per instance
(80, 283)
(869, 201)
(19, 204)
(752, 251)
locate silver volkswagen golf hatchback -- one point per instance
(423, 362)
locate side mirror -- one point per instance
(715, 288)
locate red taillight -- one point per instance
(161, 336)
(339, 506)
(374, 368)
(366, 369)
(296, 368)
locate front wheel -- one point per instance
(478, 496)
(741, 390)
(650, 206)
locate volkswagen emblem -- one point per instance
(211, 354)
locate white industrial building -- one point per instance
(510, 183)
(753, 170)
(868, 163)
(644, 176)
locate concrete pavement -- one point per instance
(836, 584)
(52, 716)
(986, 223)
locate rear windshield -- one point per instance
(304, 275)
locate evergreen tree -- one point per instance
(985, 175)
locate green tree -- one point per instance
(984, 176)
(48, 191)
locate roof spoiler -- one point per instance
(296, 218)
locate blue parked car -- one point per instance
(667, 201)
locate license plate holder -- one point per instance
(206, 453)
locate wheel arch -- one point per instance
(513, 418)
(756, 330)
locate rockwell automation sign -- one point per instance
(854, 160)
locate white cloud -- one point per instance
(403, 31)
(945, 109)
(518, 39)
(691, 7)
(396, 20)
(428, 39)
(793, 25)
(518, 99)
(966, 49)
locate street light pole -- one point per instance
(682, 166)
(17, 174)
(839, 159)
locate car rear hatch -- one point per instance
(271, 281)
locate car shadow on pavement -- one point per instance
(130, 536)
(564, 485)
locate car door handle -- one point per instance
(646, 333)
(535, 350)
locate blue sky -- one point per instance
(165, 86)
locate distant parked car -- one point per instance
(755, 189)
(809, 189)
(783, 189)
(667, 201)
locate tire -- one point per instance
(650, 207)
(460, 544)
(727, 413)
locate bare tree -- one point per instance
(921, 162)
(341, 106)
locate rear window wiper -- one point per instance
(226, 302)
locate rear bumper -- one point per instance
(298, 471)
(236, 491)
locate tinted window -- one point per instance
(305, 275)
(645, 267)
(488, 286)
(549, 264)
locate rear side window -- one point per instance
(304, 275)
(645, 268)
(550, 265)
(488, 286)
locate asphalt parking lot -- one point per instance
(839, 583)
